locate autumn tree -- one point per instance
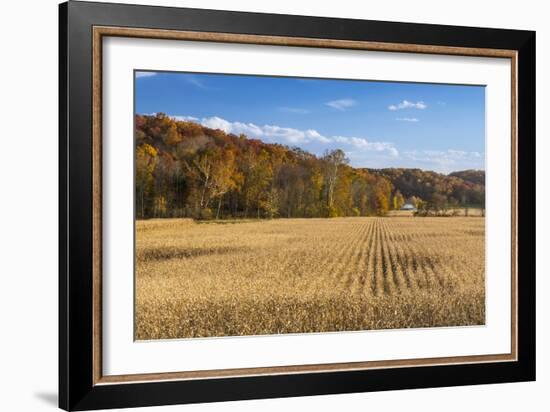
(185, 169)
(202, 170)
(260, 181)
(333, 162)
(398, 200)
(145, 165)
(225, 177)
(172, 136)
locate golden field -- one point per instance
(307, 275)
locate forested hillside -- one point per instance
(464, 188)
(476, 177)
(184, 169)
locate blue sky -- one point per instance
(378, 124)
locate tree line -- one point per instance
(184, 169)
(433, 192)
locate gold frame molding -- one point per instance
(102, 31)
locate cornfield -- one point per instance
(307, 275)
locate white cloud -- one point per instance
(291, 136)
(268, 133)
(446, 160)
(341, 104)
(139, 75)
(363, 144)
(363, 152)
(217, 123)
(407, 119)
(405, 104)
(185, 118)
(195, 81)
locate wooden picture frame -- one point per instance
(82, 385)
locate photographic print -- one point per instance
(264, 205)
(274, 205)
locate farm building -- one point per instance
(408, 206)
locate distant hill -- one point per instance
(476, 177)
(461, 188)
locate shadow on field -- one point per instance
(186, 253)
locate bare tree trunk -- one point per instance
(330, 192)
(142, 204)
(219, 206)
(203, 194)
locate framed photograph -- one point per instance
(256, 206)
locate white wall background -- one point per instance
(28, 203)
